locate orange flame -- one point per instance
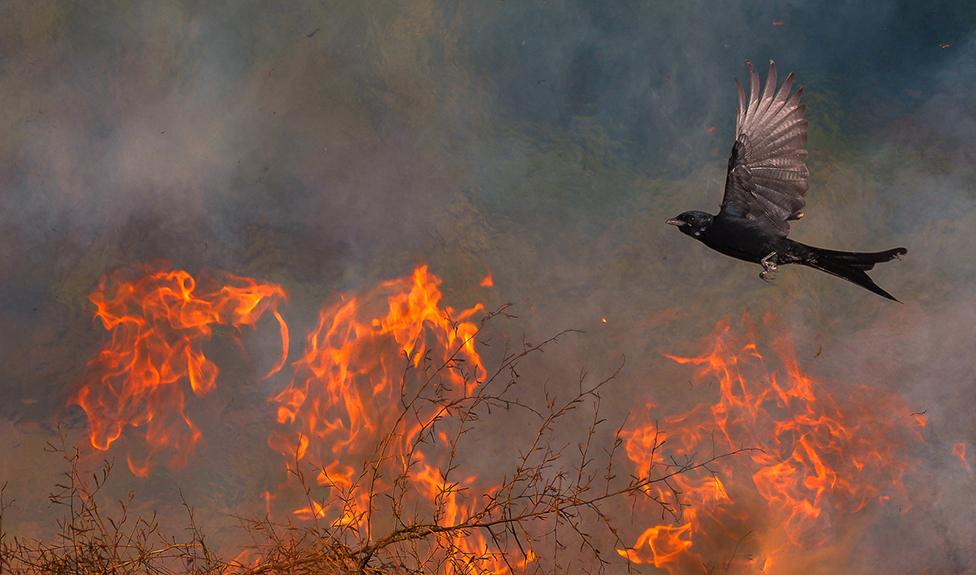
(815, 457)
(664, 542)
(487, 282)
(349, 396)
(469, 548)
(349, 401)
(159, 323)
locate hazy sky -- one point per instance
(330, 145)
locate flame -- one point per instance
(665, 543)
(350, 410)
(468, 551)
(817, 457)
(368, 402)
(159, 322)
(487, 282)
(343, 390)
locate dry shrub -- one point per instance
(545, 512)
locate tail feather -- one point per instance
(859, 260)
(852, 266)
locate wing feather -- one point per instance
(767, 175)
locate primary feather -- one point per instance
(767, 176)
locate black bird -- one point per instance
(764, 190)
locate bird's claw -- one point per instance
(769, 268)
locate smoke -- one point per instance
(327, 146)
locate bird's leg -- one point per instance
(769, 267)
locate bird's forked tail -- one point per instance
(852, 266)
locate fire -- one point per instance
(666, 544)
(468, 551)
(345, 384)
(770, 461)
(487, 281)
(814, 457)
(159, 322)
(379, 370)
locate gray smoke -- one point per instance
(329, 145)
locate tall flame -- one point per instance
(159, 322)
(347, 384)
(815, 457)
(350, 402)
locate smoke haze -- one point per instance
(327, 146)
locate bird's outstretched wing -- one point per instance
(767, 175)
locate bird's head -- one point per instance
(692, 223)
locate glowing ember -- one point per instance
(159, 323)
(816, 457)
(959, 450)
(921, 419)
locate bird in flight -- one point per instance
(764, 189)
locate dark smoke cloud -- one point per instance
(329, 145)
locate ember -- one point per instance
(959, 450)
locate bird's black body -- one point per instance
(740, 239)
(764, 189)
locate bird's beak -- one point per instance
(676, 222)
